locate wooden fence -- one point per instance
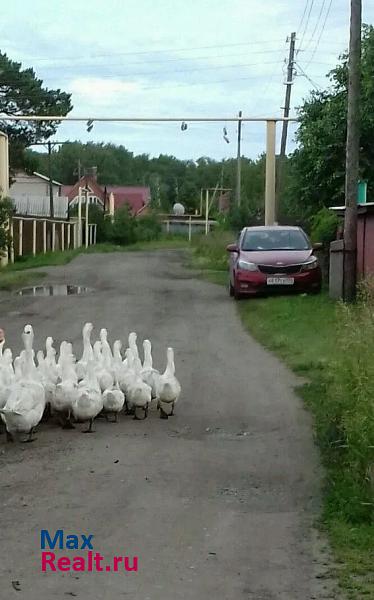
(32, 236)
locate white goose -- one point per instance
(7, 376)
(117, 365)
(104, 376)
(88, 403)
(149, 375)
(132, 346)
(66, 390)
(26, 402)
(139, 393)
(87, 355)
(50, 361)
(113, 401)
(168, 387)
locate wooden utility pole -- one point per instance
(352, 154)
(286, 113)
(238, 162)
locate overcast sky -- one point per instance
(176, 58)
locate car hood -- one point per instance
(276, 257)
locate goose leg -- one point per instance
(89, 430)
(163, 414)
(172, 409)
(66, 423)
(9, 437)
(30, 438)
(116, 417)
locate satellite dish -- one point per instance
(178, 209)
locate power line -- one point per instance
(317, 24)
(306, 24)
(303, 15)
(142, 52)
(314, 84)
(320, 35)
(162, 61)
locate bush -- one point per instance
(148, 228)
(210, 250)
(349, 410)
(122, 231)
(6, 210)
(323, 226)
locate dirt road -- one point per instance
(217, 502)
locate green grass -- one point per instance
(332, 346)
(16, 279)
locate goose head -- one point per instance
(147, 347)
(132, 343)
(103, 335)
(49, 346)
(28, 337)
(87, 330)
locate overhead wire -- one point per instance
(320, 35)
(305, 26)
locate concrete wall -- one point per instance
(336, 270)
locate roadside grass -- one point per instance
(14, 279)
(332, 346)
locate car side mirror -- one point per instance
(232, 248)
(317, 246)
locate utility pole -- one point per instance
(79, 169)
(51, 209)
(286, 113)
(352, 153)
(238, 161)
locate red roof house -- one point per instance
(137, 198)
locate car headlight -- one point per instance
(247, 266)
(311, 264)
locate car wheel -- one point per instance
(237, 294)
(315, 291)
(231, 289)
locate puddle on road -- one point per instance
(54, 290)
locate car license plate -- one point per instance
(280, 281)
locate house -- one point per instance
(137, 198)
(25, 185)
(31, 196)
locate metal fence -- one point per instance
(39, 206)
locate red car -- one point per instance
(272, 259)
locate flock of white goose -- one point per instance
(100, 383)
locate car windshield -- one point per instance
(283, 239)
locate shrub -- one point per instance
(349, 410)
(323, 226)
(148, 228)
(6, 210)
(122, 230)
(210, 250)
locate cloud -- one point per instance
(96, 91)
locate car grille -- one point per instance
(279, 269)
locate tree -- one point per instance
(6, 210)
(21, 92)
(318, 165)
